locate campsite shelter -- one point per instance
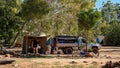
(27, 42)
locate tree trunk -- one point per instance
(15, 39)
(6, 61)
(86, 37)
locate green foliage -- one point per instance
(110, 12)
(48, 16)
(32, 12)
(62, 17)
(113, 37)
(2, 3)
(104, 28)
(110, 22)
(9, 21)
(87, 19)
(32, 9)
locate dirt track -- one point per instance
(106, 54)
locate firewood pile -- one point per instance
(9, 53)
(111, 64)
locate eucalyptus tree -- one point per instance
(110, 16)
(117, 9)
(9, 20)
(111, 19)
(87, 20)
(31, 12)
(63, 15)
(110, 12)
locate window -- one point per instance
(67, 39)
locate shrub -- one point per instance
(113, 37)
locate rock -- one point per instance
(108, 57)
(105, 56)
(94, 62)
(15, 65)
(101, 62)
(7, 55)
(85, 62)
(73, 62)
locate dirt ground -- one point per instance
(106, 54)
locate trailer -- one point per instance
(70, 43)
(66, 43)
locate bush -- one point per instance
(113, 37)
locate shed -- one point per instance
(27, 43)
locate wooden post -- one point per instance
(26, 44)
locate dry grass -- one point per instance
(106, 54)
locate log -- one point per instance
(6, 61)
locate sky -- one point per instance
(99, 2)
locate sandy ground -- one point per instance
(106, 54)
